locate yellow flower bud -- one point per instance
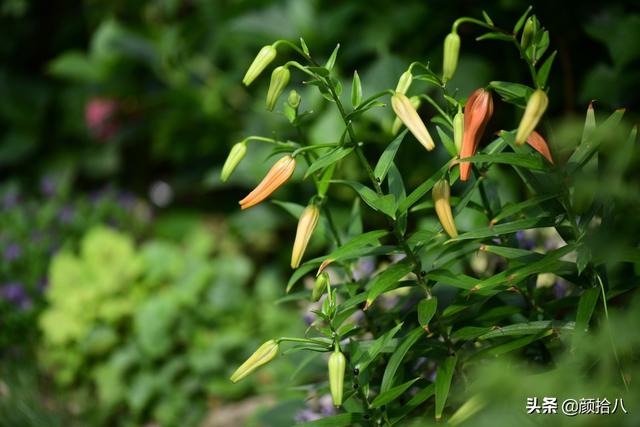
(236, 154)
(442, 201)
(279, 173)
(536, 107)
(263, 355)
(337, 365)
(404, 82)
(306, 224)
(322, 282)
(409, 116)
(397, 123)
(458, 130)
(264, 58)
(279, 80)
(451, 53)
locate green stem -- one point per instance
(438, 108)
(532, 70)
(365, 163)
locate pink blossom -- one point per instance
(100, 118)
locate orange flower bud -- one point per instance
(306, 225)
(540, 145)
(409, 116)
(279, 173)
(477, 113)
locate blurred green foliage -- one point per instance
(156, 329)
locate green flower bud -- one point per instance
(236, 154)
(294, 99)
(263, 355)
(264, 58)
(279, 80)
(337, 365)
(404, 82)
(322, 281)
(536, 106)
(458, 130)
(451, 53)
(527, 32)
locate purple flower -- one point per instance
(560, 288)
(12, 252)
(14, 292)
(326, 405)
(127, 200)
(364, 268)
(48, 186)
(10, 199)
(66, 214)
(309, 318)
(523, 241)
(306, 415)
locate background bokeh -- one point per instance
(130, 283)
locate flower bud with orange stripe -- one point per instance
(477, 113)
(279, 173)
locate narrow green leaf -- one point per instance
(385, 204)
(447, 141)
(299, 273)
(545, 68)
(586, 305)
(470, 332)
(444, 375)
(396, 184)
(422, 189)
(426, 310)
(355, 220)
(356, 90)
(392, 394)
(389, 153)
(495, 36)
(526, 160)
(332, 59)
(521, 21)
(513, 209)
(378, 345)
(325, 179)
(396, 358)
(586, 149)
(487, 19)
(387, 280)
(352, 248)
(452, 279)
(506, 228)
(327, 159)
(415, 401)
(526, 328)
(513, 93)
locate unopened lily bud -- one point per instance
(451, 53)
(306, 224)
(536, 106)
(477, 112)
(279, 173)
(409, 116)
(442, 202)
(264, 58)
(527, 32)
(322, 282)
(538, 143)
(397, 123)
(294, 99)
(279, 80)
(263, 355)
(404, 82)
(337, 365)
(458, 130)
(236, 154)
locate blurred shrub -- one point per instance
(156, 329)
(34, 228)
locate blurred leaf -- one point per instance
(543, 72)
(444, 376)
(327, 159)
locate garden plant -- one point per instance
(466, 270)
